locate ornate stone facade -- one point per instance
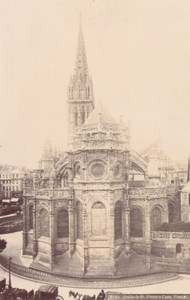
(87, 215)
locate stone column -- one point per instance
(127, 228)
(52, 233)
(165, 213)
(24, 234)
(71, 228)
(85, 226)
(112, 232)
(35, 244)
(147, 237)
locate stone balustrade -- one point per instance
(165, 235)
(148, 192)
(47, 193)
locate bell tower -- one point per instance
(80, 89)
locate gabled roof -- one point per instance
(186, 188)
(100, 115)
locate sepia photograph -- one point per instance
(94, 149)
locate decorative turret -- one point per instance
(80, 89)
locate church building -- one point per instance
(93, 216)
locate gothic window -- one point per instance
(44, 223)
(31, 217)
(78, 171)
(136, 222)
(79, 220)
(98, 215)
(117, 170)
(63, 224)
(118, 220)
(97, 170)
(156, 218)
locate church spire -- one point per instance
(81, 67)
(80, 89)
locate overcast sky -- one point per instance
(138, 54)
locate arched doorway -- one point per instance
(178, 248)
(156, 218)
(136, 222)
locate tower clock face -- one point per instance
(97, 170)
(117, 170)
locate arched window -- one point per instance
(98, 219)
(63, 224)
(79, 220)
(118, 220)
(44, 223)
(156, 218)
(136, 222)
(31, 217)
(78, 171)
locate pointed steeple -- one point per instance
(80, 89)
(81, 67)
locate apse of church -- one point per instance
(87, 218)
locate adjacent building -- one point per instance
(11, 181)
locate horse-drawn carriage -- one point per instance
(47, 292)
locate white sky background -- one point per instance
(138, 54)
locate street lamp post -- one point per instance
(10, 258)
